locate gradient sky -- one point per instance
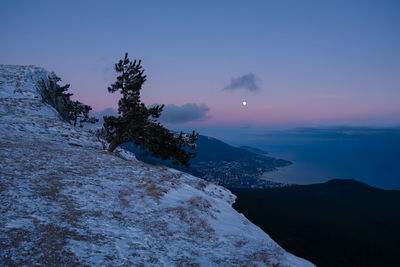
(316, 62)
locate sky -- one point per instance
(295, 63)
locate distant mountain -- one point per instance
(100, 116)
(254, 150)
(230, 166)
(337, 223)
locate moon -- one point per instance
(244, 103)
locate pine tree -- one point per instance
(59, 97)
(139, 124)
(79, 112)
(53, 90)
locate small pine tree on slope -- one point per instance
(139, 124)
(79, 112)
(59, 97)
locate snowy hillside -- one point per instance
(65, 201)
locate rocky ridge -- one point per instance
(65, 201)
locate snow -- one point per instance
(64, 200)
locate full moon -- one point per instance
(244, 103)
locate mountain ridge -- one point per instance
(64, 200)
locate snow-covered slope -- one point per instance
(65, 201)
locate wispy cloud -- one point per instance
(326, 96)
(171, 114)
(185, 113)
(247, 82)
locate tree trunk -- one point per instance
(114, 143)
(75, 119)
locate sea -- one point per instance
(368, 155)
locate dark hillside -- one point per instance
(217, 161)
(254, 150)
(338, 223)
